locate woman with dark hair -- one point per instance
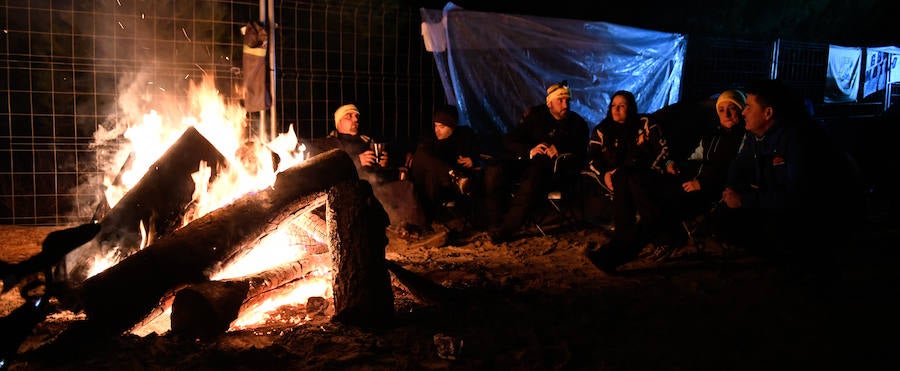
(629, 152)
(611, 140)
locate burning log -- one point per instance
(313, 225)
(205, 310)
(362, 286)
(159, 201)
(314, 228)
(362, 289)
(123, 294)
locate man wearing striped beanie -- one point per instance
(550, 144)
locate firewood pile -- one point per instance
(175, 269)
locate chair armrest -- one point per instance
(593, 174)
(561, 156)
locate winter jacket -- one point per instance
(635, 144)
(794, 167)
(569, 135)
(352, 144)
(710, 160)
(461, 143)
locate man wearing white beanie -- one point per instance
(398, 198)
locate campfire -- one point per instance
(210, 230)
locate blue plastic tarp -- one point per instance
(495, 66)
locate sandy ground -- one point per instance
(538, 303)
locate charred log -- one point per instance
(159, 201)
(297, 218)
(205, 310)
(53, 249)
(362, 287)
(426, 290)
(125, 293)
(314, 228)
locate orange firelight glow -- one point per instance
(151, 133)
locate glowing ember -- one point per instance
(296, 293)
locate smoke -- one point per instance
(144, 57)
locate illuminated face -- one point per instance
(349, 124)
(757, 118)
(559, 106)
(729, 114)
(619, 109)
(442, 131)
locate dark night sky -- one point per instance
(842, 22)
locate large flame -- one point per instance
(151, 133)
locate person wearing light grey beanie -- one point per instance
(732, 96)
(343, 111)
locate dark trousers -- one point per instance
(434, 186)
(399, 201)
(494, 197)
(538, 176)
(646, 209)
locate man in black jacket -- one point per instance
(546, 133)
(792, 192)
(446, 165)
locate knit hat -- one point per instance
(343, 110)
(560, 89)
(447, 115)
(732, 96)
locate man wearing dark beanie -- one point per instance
(445, 165)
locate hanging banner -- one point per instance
(893, 68)
(842, 76)
(876, 72)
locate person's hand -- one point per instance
(466, 162)
(367, 158)
(551, 151)
(607, 179)
(408, 161)
(731, 198)
(691, 185)
(539, 149)
(643, 137)
(383, 161)
(672, 168)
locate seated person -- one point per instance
(448, 164)
(629, 152)
(444, 163)
(792, 192)
(704, 173)
(396, 196)
(546, 133)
